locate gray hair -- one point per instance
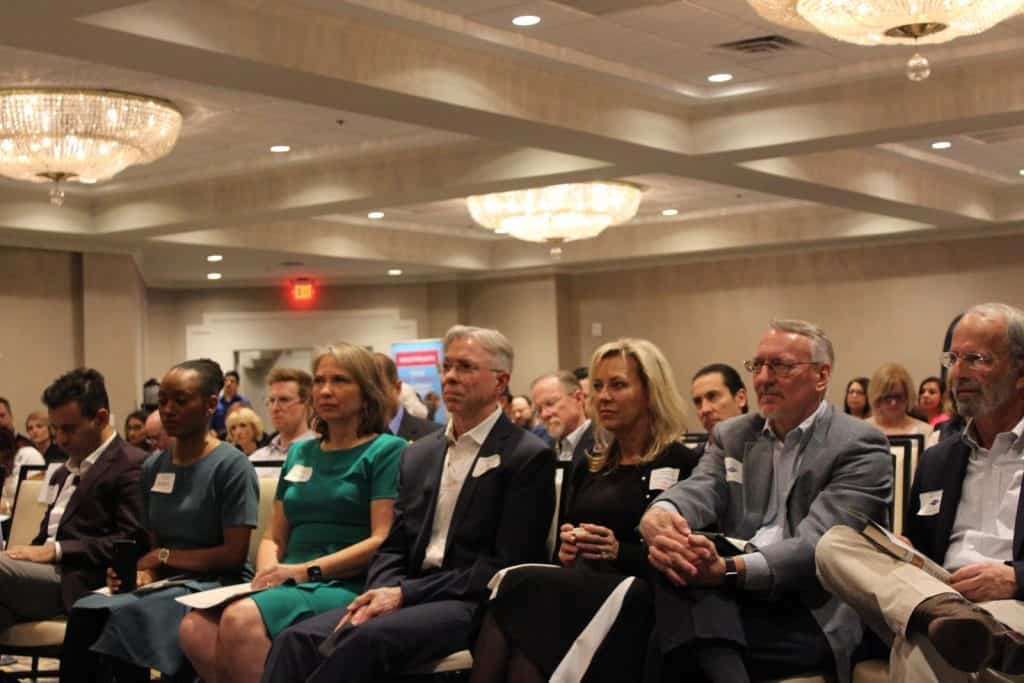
(568, 381)
(1014, 318)
(492, 341)
(822, 351)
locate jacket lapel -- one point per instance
(95, 474)
(758, 473)
(494, 442)
(431, 485)
(956, 471)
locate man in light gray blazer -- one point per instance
(779, 480)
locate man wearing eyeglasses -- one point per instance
(774, 482)
(472, 500)
(289, 404)
(965, 514)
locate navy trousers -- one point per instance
(386, 644)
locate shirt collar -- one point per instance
(478, 433)
(81, 468)
(968, 437)
(801, 428)
(396, 421)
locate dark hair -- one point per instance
(937, 380)
(83, 386)
(211, 379)
(8, 449)
(525, 398)
(6, 404)
(732, 379)
(231, 373)
(139, 415)
(581, 372)
(863, 381)
(386, 367)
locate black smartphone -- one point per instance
(126, 557)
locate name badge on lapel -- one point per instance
(299, 474)
(663, 477)
(931, 501)
(485, 465)
(733, 470)
(164, 483)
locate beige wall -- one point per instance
(887, 303)
(40, 297)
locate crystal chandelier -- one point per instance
(891, 22)
(57, 135)
(558, 213)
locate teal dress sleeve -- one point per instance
(384, 475)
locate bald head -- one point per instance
(156, 433)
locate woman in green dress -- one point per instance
(332, 510)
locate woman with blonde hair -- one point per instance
(333, 508)
(639, 418)
(245, 429)
(889, 393)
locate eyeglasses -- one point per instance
(896, 398)
(462, 367)
(975, 361)
(283, 402)
(776, 366)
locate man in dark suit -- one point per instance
(966, 513)
(560, 404)
(472, 500)
(401, 422)
(779, 480)
(94, 499)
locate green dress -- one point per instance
(327, 496)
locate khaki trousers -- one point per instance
(885, 592)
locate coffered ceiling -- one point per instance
(405, 107)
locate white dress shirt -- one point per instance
(567, 444)
(987, 513)
(76, 472)
(457, 460)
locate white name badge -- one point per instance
(931, 501)
(299, 474)
(733, 470)
(663, 477)
(164, 483)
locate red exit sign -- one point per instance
(302, 291)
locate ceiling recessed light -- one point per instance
(395, 272)
(526, 20)
(87, 181)
(375, 215)
(280, 149)
(213, 276)
(670, 212)
(942, 144)
(215, 258)
(720, 78)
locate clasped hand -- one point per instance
(142, 578)
(589, 541)
(685, 558)
(372, 603)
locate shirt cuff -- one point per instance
(666, 505)
(757, 575)
(57, 552)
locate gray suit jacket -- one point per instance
(844, 464)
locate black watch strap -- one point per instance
(731, 580)
(314, 574)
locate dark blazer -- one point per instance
(943, 468)
(412, 428)
(106, 506)
(501, 518)
(583, 446)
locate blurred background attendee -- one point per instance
(560, 405)
(856, 402)
(289, 402)
(582, 374)
(23, 454)
(411, 401)
(245, 429)
(432, 401)
(718, 394)
(135, 430)
(37, 426)
(890, 394)
(523, 416)
(157, 438)
(931, 401)
(638, 453)
(229, 396)
(505, 402)
(400, 421)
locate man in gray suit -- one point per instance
(779, 479)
